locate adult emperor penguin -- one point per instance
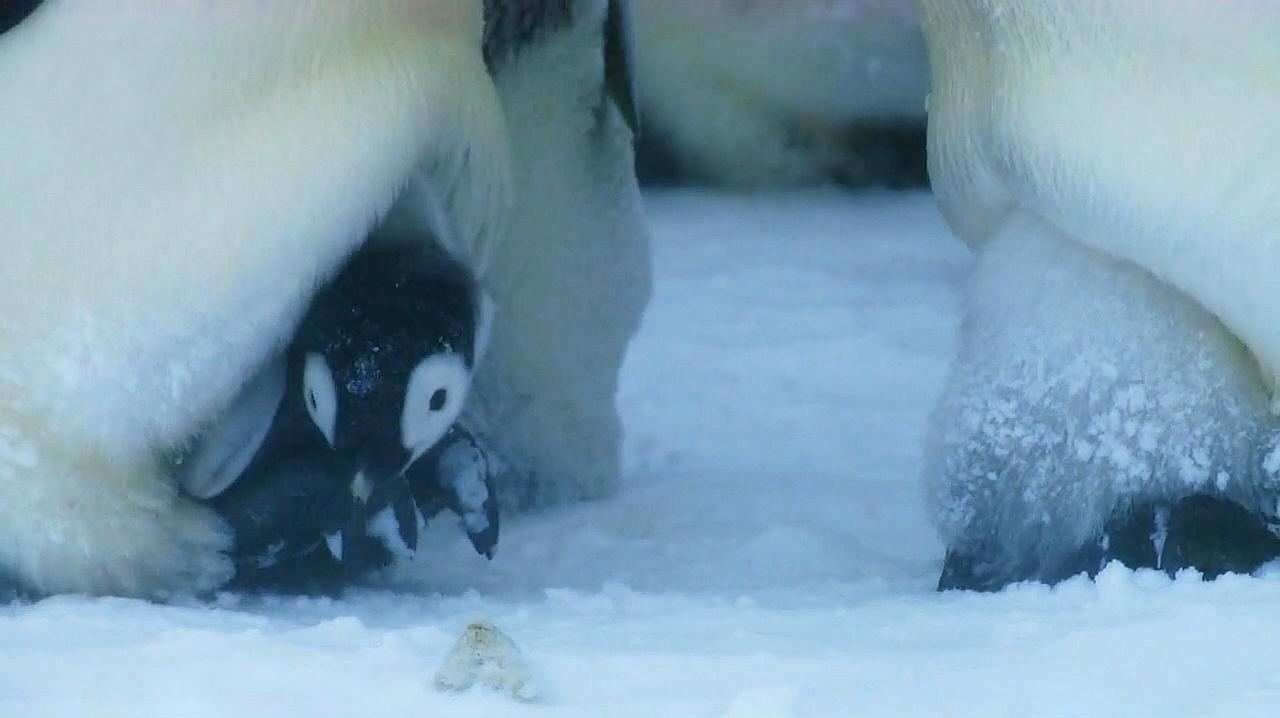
(1116, 166)
(173, 191)
(571, 276)
(176, 189)
(752, 94)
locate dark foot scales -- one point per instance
(982, 569)
(1208, 533)
(1216, 536)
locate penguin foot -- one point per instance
(1211, 534)
(984, 568)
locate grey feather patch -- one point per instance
(222, 454)
(484, 327)
(13, 12)
(512, 24)
(619, 63)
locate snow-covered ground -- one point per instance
(768, 557)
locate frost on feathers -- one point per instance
(1084, 385)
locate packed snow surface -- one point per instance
(769, 555)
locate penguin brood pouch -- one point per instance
(335, 452)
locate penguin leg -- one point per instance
(572, 279)
(1086, 395)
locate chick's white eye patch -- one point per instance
(434, 396)
(320, 395)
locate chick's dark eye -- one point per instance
(438, 399)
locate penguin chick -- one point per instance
(309, 464)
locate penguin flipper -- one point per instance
(455, 475)
(220, 456)
(407, 521)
